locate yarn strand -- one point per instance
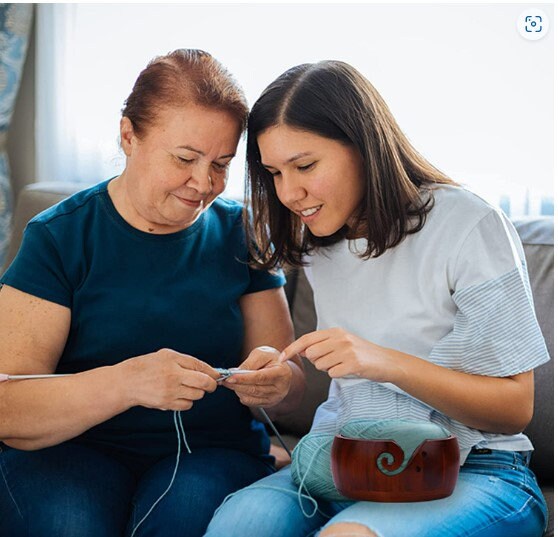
(177, 420)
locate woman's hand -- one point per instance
(167, 380)
(268, 384)
(342, 354)
(493, 404)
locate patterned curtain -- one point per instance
(15, 22)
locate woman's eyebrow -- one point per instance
(297, 156)
(291, 159)
(190, 148)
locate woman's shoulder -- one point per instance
(457, 208)
(72, 206)
(228, 205)
(460, 200)
(226, 210)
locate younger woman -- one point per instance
(421, 292)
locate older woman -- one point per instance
(137, 288)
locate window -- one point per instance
(471, 94)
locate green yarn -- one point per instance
(311, 460)
(311, 467)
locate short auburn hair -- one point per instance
(181, 77)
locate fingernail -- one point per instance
(230, 381)
(282, 357)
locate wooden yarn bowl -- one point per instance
(430, 474)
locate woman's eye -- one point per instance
(275, 173)
(183, 160)
(220, 167)
(306, 167)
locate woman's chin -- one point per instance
(325, 233)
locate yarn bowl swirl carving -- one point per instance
(373, 470)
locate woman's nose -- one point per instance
(290, 191)
(201, 179)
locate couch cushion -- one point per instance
(317, 382)
(32, 200)
(537, 236)
(549, 497)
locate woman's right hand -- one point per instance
(167, 380)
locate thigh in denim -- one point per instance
(270, 507)
(495, 501)
(65, 490)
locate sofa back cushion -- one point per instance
(32, 200)
(537, 236)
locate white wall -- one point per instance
(473, 95)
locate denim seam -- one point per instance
(5, 479)
(529, 501)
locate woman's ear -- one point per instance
(127, 135)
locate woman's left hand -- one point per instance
(268, 384)
(342, 354)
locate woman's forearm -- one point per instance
(492, 404)
(40, 413)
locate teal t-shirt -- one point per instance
(133, 293)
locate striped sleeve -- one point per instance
(495, 331)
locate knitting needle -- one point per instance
(4, 377)
(234, 371)
(275, 431)
(227, 373)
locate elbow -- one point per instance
(519, 421)
(525, 415)
(522, 421)
(24, 444)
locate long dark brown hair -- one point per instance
(333, 100)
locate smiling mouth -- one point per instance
(190, 203)
(310, 211)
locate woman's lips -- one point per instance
(314, 212)
(190, 203)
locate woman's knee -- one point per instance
(346, 529)
(259, 511)
(238, 515)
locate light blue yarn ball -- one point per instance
(311, 459)
(311, 467)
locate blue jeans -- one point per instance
(72, 490)
(496, 496)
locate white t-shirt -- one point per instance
(456, 294)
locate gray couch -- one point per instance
(538, 239)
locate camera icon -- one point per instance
(533, 23)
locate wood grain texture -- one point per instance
(431, 473)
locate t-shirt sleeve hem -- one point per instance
(36, 291)
(272, 282)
